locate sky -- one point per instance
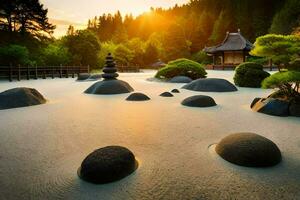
(62, 13)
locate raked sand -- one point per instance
(41, 147)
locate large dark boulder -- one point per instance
(199, 101)
(210, 85)
(112, 86)
(294, 109)
(181, 79)
(83, 76)
(138, 97)
(249, 149)
(107, 164)
(166, 94)
(272, 106)
(20, 97)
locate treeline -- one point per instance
(166, 34)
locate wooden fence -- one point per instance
(27, 72)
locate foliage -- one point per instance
(249, 75)
(14, 55)
(202, 57)
(182, 67)
(123, 55)
(25, 16)
(151, 54)
(106, 47)
(287, 18)
(288, 83)
(138, 47)
(84, 47)
(55, 54)
(258, 60)
(280, 48)
(294, 65)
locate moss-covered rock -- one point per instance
(182, 67)
(250, 75)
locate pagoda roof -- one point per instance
(232, 42)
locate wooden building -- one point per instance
(232, 52)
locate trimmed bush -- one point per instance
(250, 75)
(182, 67)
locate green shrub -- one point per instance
(249, 75)
(294, 65)
(288, 83)
(14, 55)
(182, 67)
(202, 57)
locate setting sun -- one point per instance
(66, 12)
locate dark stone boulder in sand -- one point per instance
(106, 87)
(107, 165)
(166, 94)
(83, 76)
(210, 85)
(294, 110)
(199, 101)
(272, 106)
(181, 79)
(138, 97)
(175, 91)
(249, 149)
(20, 97)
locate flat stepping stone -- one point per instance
(83, 76)
(107, 165)
(20, 97)
(210, 85)
(175, 91)
(138, 97)
(199, 101)
(271, 106)
(108, 87)
(181, 79)
(249, 149)
(166, 94)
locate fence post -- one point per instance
(60, 72)
(36, 73)
(19, 72)
(88, 68)
(10, 73)
(28, 73)
(67, 72)
(52, 72)
(44, 73)
(73, 72)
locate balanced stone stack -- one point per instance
(110, 84)
(110, 70)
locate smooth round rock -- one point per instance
(199, 101)
(272, 106)
(166, 94)
(20, 97)
(138, 97)
(107, 165)
(175, 91)
(83, 76)
(249, 149)
(107, 87)
(210, 85)
(181, 79)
